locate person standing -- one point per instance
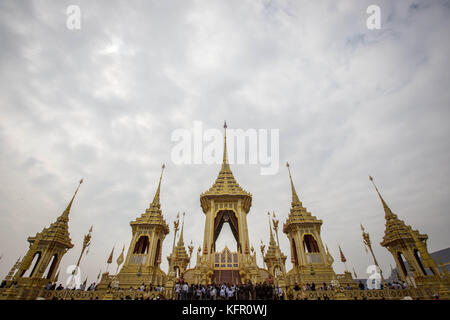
(230, 293)
(222, 292)
(213, 293)
(177, 291)
(184, 294)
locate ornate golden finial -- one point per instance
(180, 240)
(65, 214)
(176, 223)
(155, 202)
(190, 248)
(225, 165)
(262, 247)
(295, 198)
(275, 222)
(366, 237)
(387, 210)
(368, 244)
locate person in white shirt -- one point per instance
(177, 291)
(213, 293)
(230, 293)
(185, 291)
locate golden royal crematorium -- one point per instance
(226, 201)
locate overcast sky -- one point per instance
(102, 103)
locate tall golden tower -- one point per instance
(142, 264)
(39, 265)
(409, 249)
(311, 262)
(227, 202)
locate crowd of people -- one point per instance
(82, 287)
(227, 291)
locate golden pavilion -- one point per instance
(227, 202)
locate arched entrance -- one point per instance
(51, 266)
(33, 265)
(157, 253)
(226, 216)
(176, 269)
(294, 253)
(140, 250)
(402, 262)
(419, 261)
(312, 251)
(142, 245)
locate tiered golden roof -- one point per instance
(396, 229)
(58, 231)
(153, 215)
(225, 184)
(298, 213)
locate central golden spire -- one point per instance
(225, 184)
(180, 240)
(225, 164)
(295, 199)
(156, 202)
